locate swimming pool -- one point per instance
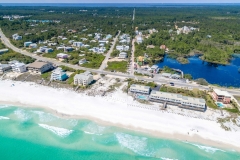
(142, 97)
(220, 104)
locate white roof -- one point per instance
(166, 74)
(223, 93)
(154, 67)
(62, 54)
(140, 87)
(178, 97)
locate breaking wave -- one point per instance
(134, 143)
(21, 114)
(93, 128)
(3, 106)
(44, 117)
(62, 132)
(206, 148)
(1, 117)
(164, 158)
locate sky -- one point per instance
(120, 1)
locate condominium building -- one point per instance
(39, 67)
(221, 96)
(83, 79)
(58, 74)
(135, 88)
(198, 104)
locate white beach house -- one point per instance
(83, 79)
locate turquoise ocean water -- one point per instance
(34, 134)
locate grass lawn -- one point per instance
(120, 66)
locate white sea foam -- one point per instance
(3, 106)
(62, 132)
(1, 117)
(93, 128)
(73, 122)
(164, 158)
(44, 117)
(21, 114)
(205, 148)
(134, 143)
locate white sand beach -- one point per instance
(121, 110)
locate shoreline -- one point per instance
(111, 112)
(174, 136)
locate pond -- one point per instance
(223, 75)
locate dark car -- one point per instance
(171, 83)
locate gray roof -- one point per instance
(83, 76)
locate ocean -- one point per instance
(28, 133)
(121, 4)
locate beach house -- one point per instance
(82, 61)
(221, 96)
(16, 37)
(4, 68)
(122, 55)
(83, 79)
(78, 44)
(3, 51)
(122, 48)
(18, 67)
(27, 44)
(62, 56)
(139, 39)
(58, 74)
(135, 88)
(39, 67)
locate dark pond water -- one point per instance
(224, 75)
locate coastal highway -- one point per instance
(177, 83)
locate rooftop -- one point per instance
(222, 93)
(37, 64)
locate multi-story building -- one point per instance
(83, 79)
(18, 67)
(135, 88)
(221, 96)
(39, 67)
(198, 104)
(58, 74)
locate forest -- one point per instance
(216, 40)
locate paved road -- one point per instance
(132, 57)
(116, 74)
(104, 63)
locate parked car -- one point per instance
(171, 83)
